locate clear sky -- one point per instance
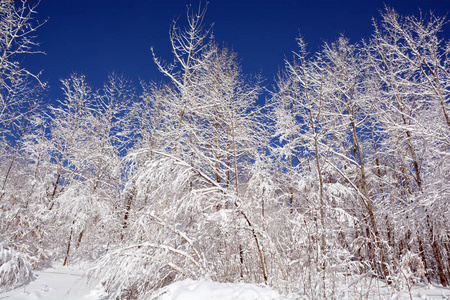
(96, 37)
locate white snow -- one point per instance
(59, 283)
(56, 283)
(189, 289)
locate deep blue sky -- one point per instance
(96, 37)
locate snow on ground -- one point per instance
(189, 289)
(204, 290)
(377, 289)
(59, 283)
(423, 292)
(56, 283)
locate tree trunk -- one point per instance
(66, 259)
(437, 254)
(79, 239)
(423, 257)
(367, 202)
(125, 217)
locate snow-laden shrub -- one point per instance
(15, 268)
(159, 249)
(411, 270)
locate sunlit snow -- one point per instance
(205, 290)
(58, 283)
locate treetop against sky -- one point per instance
(184, 179)
(98, 37)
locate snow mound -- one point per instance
(189, 289)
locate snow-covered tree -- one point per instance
(193, 170)
(411, 63)
(20, 94)
(88, 135)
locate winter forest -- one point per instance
(342, 176)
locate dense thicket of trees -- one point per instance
(343, 174)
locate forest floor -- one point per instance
(58, 283)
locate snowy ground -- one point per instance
(417, 292)
(58, 283)
(202, 290)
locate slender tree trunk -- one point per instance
(66, 258)
(410, 145)
(241, 260)
(258, 246)
(423, 257)
(368, 203)
(80, 236)
(125, 217)
(437, 254)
